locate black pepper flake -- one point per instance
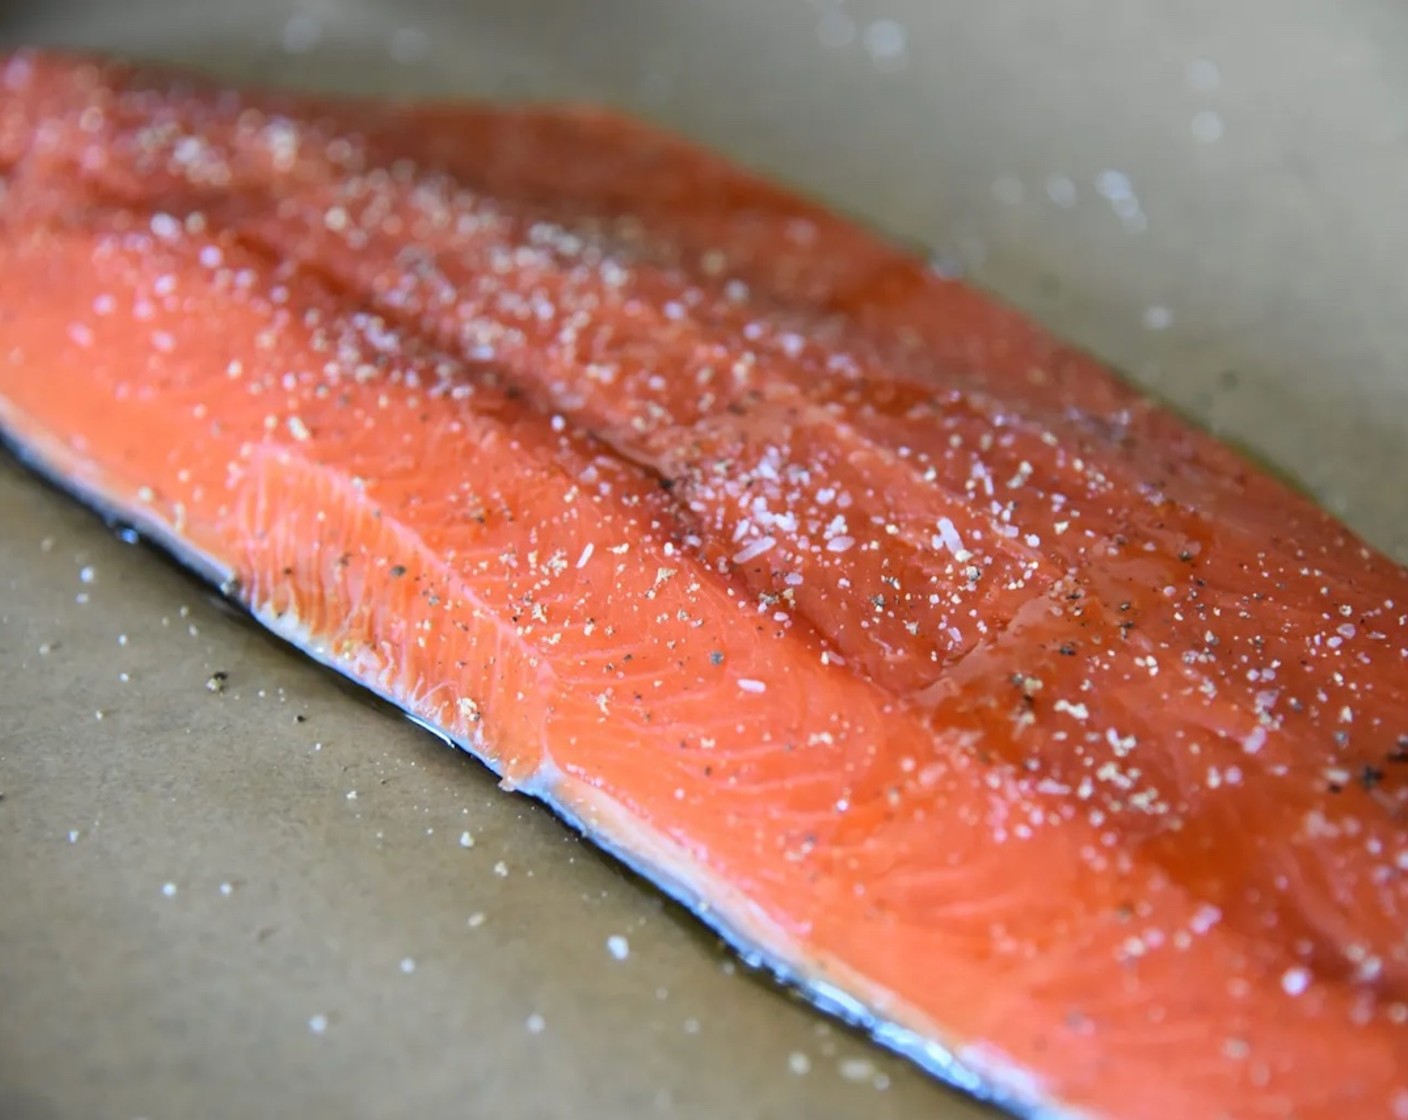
(398, 570)
(1066, 649)
(717, 657)
(1399, 751)
(1370, 776)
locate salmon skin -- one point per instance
(989, 703)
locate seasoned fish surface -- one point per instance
(981, 697)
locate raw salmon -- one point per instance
(990, 703)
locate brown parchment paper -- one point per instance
(276, 900)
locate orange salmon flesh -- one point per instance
(988, 702)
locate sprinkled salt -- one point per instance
(753, 550)
(1158, 317)
(748, 685)
(169, 890)
(1061, 189)
(466, 840)
(87, 574)
(1204, 918)
(1206, 126)
(318, 1023)
(856, 1069)
(885, 41)
(165, 226)
(408, 965)
(476, 919)
(408, 45)
(1113, 185)
(535, 1023)
(618, 946)
(946, 265)
(1295, 980)
(948, 537)
(1203, 75)
(799, 1063)
(301, 34)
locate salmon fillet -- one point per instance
(986, 701)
